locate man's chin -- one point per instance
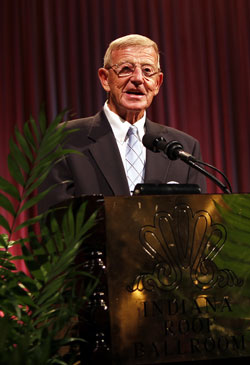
(134, 105)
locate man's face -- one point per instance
(133, 94)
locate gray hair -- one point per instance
(126, 41)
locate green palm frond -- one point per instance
(35, 307)
(236, 215)
(31, 157)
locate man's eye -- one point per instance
(148, 70)
(126, 69)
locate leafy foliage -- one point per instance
(36, 308)
(235, 214)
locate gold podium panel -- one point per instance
(178, 283)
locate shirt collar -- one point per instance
(120, 126)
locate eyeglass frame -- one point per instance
(134, 65)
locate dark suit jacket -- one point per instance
(99, 170)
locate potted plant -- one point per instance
(38, 306)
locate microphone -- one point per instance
(174, 150)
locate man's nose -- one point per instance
(137, 76)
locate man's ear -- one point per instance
(159, 82)
(103, 77)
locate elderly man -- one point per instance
(113, 157)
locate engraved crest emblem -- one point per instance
(183, 242)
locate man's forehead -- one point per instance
(135, 53)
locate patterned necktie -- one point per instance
(134, 159)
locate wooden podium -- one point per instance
(174, 284)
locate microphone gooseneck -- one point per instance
(174, 150)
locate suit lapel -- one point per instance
(157, 164)
(107, 155)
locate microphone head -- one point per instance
(151, 142)
(172, 149)
(157, 144)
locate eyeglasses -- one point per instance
(127, 69)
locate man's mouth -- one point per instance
(134, 92)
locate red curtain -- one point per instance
(51, 50)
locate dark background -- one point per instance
(50, 51)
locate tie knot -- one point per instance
(132, 130)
